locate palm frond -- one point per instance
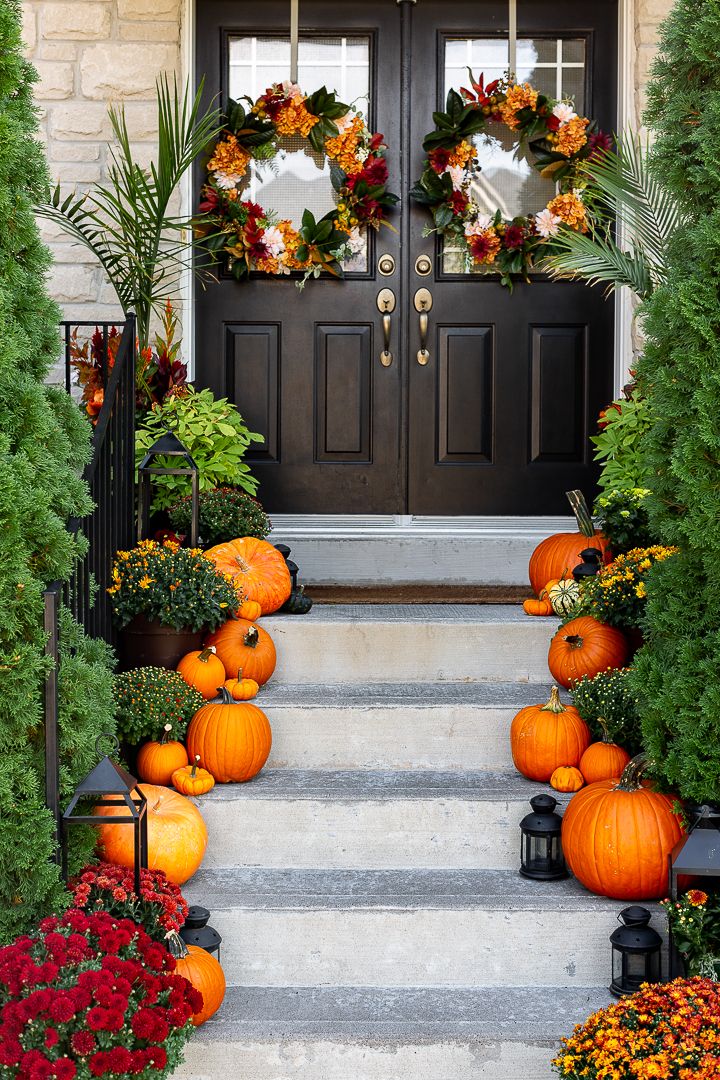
(598, 259)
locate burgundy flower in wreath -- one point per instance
(514, 237)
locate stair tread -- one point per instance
(262, 888)
(429, 695)
(486, 614)
(380, 785)
(437, 1014)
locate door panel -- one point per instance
(465, 394)
(343, 393)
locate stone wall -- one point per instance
(648, 16)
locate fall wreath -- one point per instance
(557, 142)
(251, 238)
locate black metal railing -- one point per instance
(110, 476)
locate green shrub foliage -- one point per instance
(677, 675)
(43, 440)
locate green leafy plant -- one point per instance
(176, 586)
(148, 698)
(226, 513)
(611, 696)
(215, 435)
(129, 225)
(617, 594)
(620, 187)
(620, 443)
(622, 516)
(694, 921)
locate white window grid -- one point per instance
(559, 64)
(245, 72)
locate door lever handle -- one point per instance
(423, 303)
(386, 304)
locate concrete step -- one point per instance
(405, 928)
(369, 819)
(388, 1033)
(425, 725)
(411, 643)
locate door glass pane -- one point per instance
(507, 180)
(298, 178)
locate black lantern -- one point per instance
(541, 854)
(696, 855)
(590, 565)
(168, 445)
(195, 931)
(636, 952)
(109, 785)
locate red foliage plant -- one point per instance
(88, 996)
(160, 908)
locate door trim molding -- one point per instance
(405, 526)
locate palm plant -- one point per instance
(621, 188)
(128, 224)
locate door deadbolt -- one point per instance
(386, 265)
(423, 265)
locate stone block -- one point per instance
(74, 152)
(648, 34)
(80, 120)
(653, 10)
(149, 9)
(141, 121)
(149, 31)
(77, 22)
(56, 80)
(73, 172)
(73, 284)
(29, 27)
(645, 56)
(111, 70)
(58, 50)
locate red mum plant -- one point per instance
(160, 908)
(91, 996)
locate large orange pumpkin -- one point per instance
(177, 834)
(157, 761)
(544, 737)
(243, 645)
(232, 738)
(204, 972)
(259, 570)
(617, 835)
(603, 760)
(558, 555)
(585, 646)
(203, 670)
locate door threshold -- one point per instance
(361, 526)
(418, 593)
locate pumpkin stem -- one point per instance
(554, 705)
(225, 696)
(176, 945)
(631, 779)
(196, 762)
(579, 508)
(239, 678)
(574, 641)
(242, 565)
(155, 806)
(205, 655)
(605, 733)
(166, 732)
(251, 638)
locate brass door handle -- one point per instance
(386, 304)
(423, 303)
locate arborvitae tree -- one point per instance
(44, 441)
(678, 673)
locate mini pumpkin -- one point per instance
(157, 761)
(537, 607)
(544, 737)
(242, 644)
(250, 610)
(258, 569)
(192, 780)
(241, 689)
(603, 760)
(201, 969)
(564, 595)
(233, 738)
(567, 778)
(585, 646)
(204, 670)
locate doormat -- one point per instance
(419, 593)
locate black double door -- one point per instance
(497, 422)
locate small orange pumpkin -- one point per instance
(157, 761)
(206, 975)
(567, 778)
(241, 689)
(544, 737)
(250, 610)
(192, 780)
(603, 760)
(233, 738)
(258, 569)
(177, 834)
(203, 670)
(241, 644)
(537, 607)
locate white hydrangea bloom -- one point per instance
(274, 241)
(564, 112)
(547, 224)
(227, 180)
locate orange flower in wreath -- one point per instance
(518, 97)
(571, 137)
(570, 209)
(229, 157)
(294, 119)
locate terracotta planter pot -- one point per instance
(146, 643)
